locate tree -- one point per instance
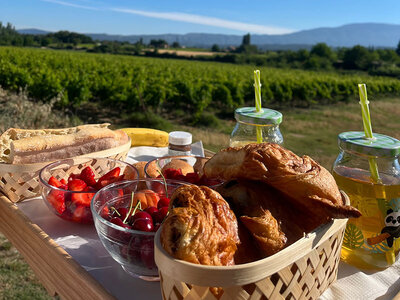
(358, 57)
(215, 48)
(322, 50)
(176, 45)
(398, 49)
(158, 43)
(246, 39)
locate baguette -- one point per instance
(21, 146)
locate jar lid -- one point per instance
(180, 138)
(380, 146)
(265, 117)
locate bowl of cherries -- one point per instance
(69, 185)
(127, 215)
(187, 168)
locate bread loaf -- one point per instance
(24, 146)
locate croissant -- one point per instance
(301, 178)
(200, 227)
(250, 196)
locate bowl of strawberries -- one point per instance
(187, 168)
(69, 185)
(127, 215)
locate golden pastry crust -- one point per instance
(301, 178)
(200, 227)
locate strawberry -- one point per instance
(54, 182)
(102, 183)
(81, 214)
(111, 174)
(57, 200)
(110, 177)
(83, 199)
(76, 185)
(73, 176)
(63, 181)
(87, 175)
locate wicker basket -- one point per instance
(304, 270)
(20, 182)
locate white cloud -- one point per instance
(188, 18)
(71, 4)
(196, 19)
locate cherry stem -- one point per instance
(115, 210)
(130, 208)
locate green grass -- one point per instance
(310, 131)
(17, 280)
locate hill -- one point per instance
(364, 34)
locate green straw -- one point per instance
(373, 167)
(257, 92)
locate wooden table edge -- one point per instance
(56, 269)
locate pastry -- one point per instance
(200, 227)
(301, 178)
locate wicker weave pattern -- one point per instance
(307, 278)
(20, 182)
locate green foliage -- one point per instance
(398, 49)
(353, 237)
(132, 84)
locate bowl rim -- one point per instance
(98, 217)
(88, 158)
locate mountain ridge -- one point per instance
(348, 35)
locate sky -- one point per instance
(186, 16)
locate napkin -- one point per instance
(353, 283)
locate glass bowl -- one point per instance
(191, 169)
(132, 249)
(74, 205)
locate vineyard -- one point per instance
(166, 85)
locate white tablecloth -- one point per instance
(82, 243)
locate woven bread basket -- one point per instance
(304, 270)
(20, 182)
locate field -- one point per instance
(60, 88)
(191, 92)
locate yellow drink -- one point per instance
(374, 202)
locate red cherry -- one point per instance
(157, 226)
(151, 210)
(143, 225)
(118, 221)
(120, 213)
(163, 202)
(141, 215)
(161, 214)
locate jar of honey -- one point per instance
(373, 240)
(250, 124)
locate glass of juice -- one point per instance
(373, 240)
(250, 123)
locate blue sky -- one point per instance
(184, 16)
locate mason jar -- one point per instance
(250, 124)
(368, 171)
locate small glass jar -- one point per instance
(180, 143)
(250, 124)
(371, 241)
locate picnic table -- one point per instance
(71, 262)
